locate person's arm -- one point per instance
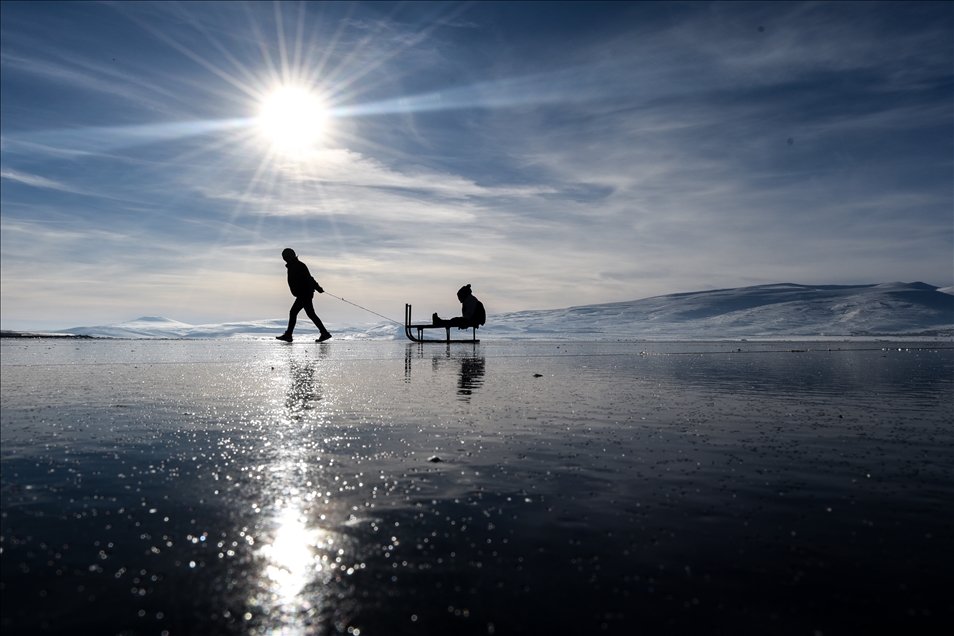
(312, 283)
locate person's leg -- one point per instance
(310, 312)
(292, 319)
(293, 313)
(461, 323)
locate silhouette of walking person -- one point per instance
(303, 288)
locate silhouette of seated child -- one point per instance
(472, 309)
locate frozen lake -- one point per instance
(252, 487)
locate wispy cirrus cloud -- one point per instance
(84, 75)
(36, 181)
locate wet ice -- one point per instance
(244, 487)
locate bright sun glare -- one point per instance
(293, 118)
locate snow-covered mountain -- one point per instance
(764, 311)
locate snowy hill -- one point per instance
(764, 311)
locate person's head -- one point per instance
(463, 292)
(289, 254)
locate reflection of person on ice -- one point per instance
(472, 309)
(303, 288)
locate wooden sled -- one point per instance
(410, 329)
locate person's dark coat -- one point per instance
(300, 281)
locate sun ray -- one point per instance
(228, 77)
(282, 48)
(397, 50)
(319, 68)
(299, 36)
(273, 72)
(249, 76)
(105, 138)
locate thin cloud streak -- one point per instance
(37, 181)
(87, 76)
(106, 138)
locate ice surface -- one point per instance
(764, 311)
(256, 487)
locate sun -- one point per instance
(293, 118)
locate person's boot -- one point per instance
(285, 336)
(324, 336)
(436, 320)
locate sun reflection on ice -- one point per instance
(299, 573)
(291, 555)
(305, 564)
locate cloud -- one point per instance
(43, 183)
(98, 139)
(37, 181)
(85, 75)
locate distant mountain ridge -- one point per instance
(763, 311)
(766, 311)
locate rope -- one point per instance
(364, 308)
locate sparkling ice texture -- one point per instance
(252, 487)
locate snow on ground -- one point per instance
(765, 311)
(158, 327)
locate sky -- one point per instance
(155, 158)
